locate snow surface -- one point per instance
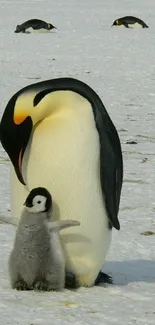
(120, 65)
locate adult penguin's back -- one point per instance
(59, 135)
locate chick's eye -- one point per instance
(39, 202)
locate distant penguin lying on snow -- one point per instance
(37, 261)
(129, 21)
(34, 26)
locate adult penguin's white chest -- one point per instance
(63, 155)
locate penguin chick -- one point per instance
(36, 261)
(129, 21)
(34, 25)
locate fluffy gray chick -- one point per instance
(37, 261)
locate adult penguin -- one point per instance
(59, 135)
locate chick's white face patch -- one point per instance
(38, 204)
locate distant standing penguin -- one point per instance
(37, 261)
(34, 26)
(58, 133)
(129, 22)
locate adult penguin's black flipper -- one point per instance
(111, 171)
(111, 163)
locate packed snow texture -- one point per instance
(119, 64)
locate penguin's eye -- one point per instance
(39, 202)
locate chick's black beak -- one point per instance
(28, 204)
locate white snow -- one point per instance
(120, 65)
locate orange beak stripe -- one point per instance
(18, 119)
(20, 161)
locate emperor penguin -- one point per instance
(59, 135)
(129, 22)
(34, 26)
(37, 261)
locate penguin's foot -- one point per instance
(47, 286)
(103, 278)
(41, 286)
(71, 281)
(21, 285)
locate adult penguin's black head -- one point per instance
(14, 135)
(50, 26)
(116, 23)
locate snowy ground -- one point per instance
(120, 65)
